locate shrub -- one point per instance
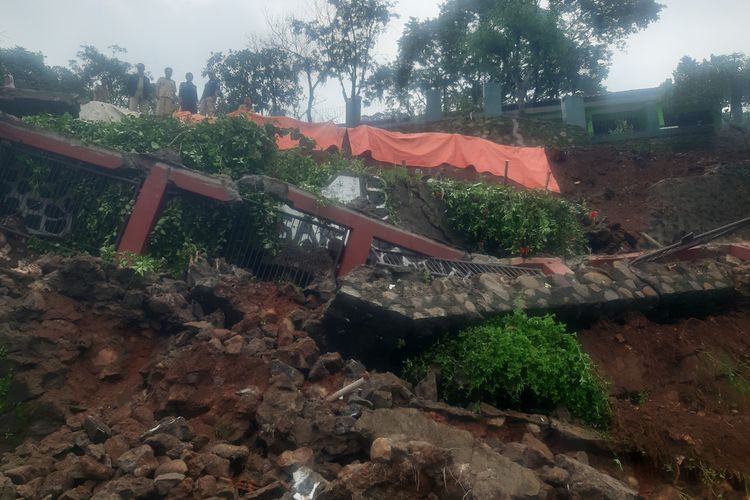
(231, 146)
(503, 221)
(531, 363)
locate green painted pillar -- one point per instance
(493, 99)
(434, 109)
(574, 110)
(652, 118)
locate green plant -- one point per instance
(521, 361)
(503, 221)
(622, 127)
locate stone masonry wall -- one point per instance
(388, 308)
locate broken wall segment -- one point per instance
(382, 314)
(159, 176)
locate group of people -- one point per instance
(168, 98)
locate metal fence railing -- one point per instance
(274, 242)
(299, 249)
(384, 254)
(58, 199)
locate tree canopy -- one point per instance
(30, 71)
(535, 50)
(719, 81)
(345, 31)
(267, 75)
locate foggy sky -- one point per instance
(182, 34)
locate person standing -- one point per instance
(188, 95)
(8, 82)
(247, 105)
(138, 90)
(211, 93)
(101, 90)
(166, 94)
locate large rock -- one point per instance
(577, 437)
(494, 476)
(587, 482)
(416, 426)
(491, 475)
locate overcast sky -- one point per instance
(182, 33)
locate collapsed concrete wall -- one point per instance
(380, 310)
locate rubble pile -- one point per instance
(213, 387)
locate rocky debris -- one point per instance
(192, 413)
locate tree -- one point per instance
(345, 32)
(267, 75)
(718, 82)
(31, 72)
(93, 65)
(535, 50)
(291, 36)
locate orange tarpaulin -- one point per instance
(326, 135)
(189, 118)
(528, 167)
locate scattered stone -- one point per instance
(215, 465)
(587, 482)
(555, 476)
(126, 487)
(230, 452)
(234, 345)
(165, 482)
(91, 469)
(172, 466)
(7, 489)
(96, 430)
(300, 456)
(381, 399)
(285, 377)
(205, 486)
(427, 387)
(165, 444)
(176, 426)
(578, 437)
(116, 446)
(22, 474)
(301, 354)
(326, 365)
(137, 457)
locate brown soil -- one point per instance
(616, 183)
(681, 392)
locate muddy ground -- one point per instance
(680, 388)
(665, 193)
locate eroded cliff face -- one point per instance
(130, 387)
